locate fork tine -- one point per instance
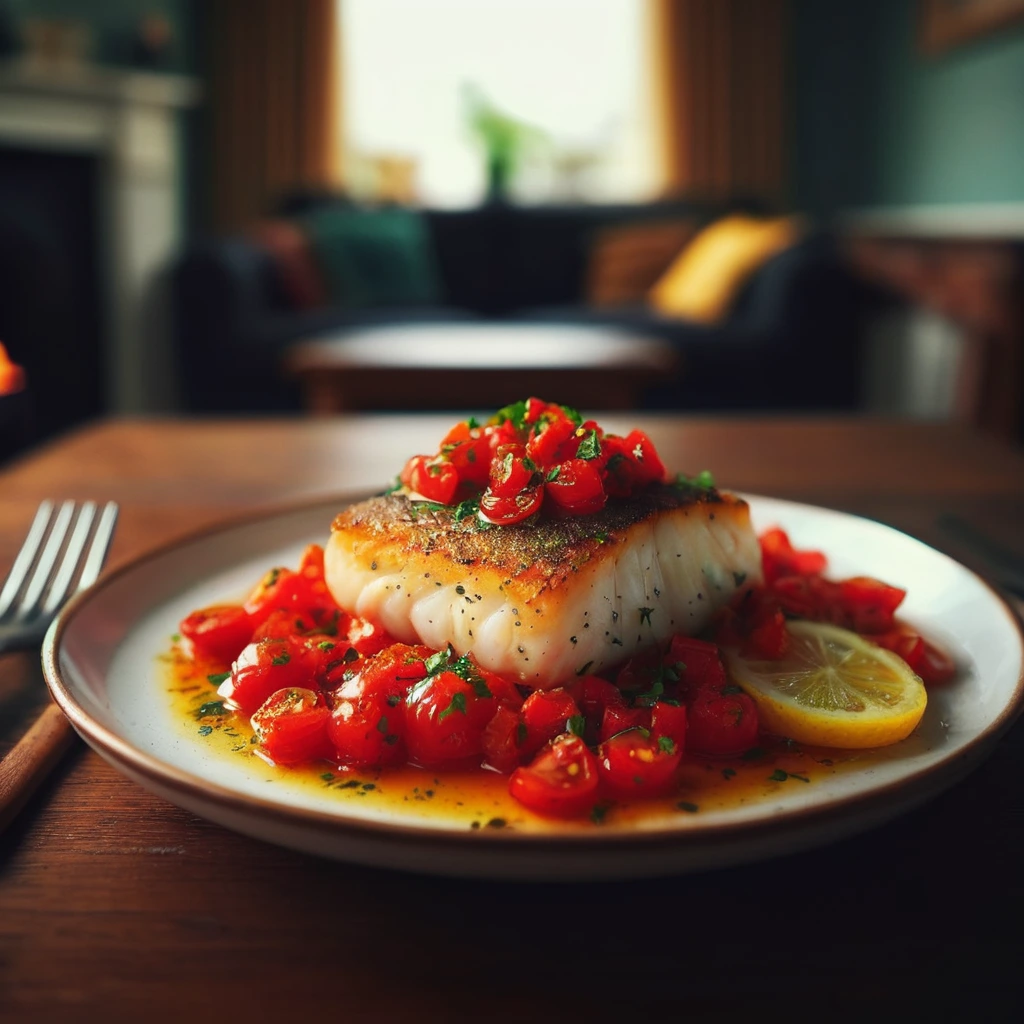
(47, 560)
(72, 560)
(100, 545)
(26, 556)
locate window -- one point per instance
(572, 73)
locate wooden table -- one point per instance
(431, 366)
(117, 906)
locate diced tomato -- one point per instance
(445, 719)
(767, 638)
(388, 674)
(931, 663)
(637, 764)
(502, 737)
(512, 471)
(618, 467)
(468, 449)
(649, 467)
(282, 623)
(755, 624)
(545, 714)
(550, 433)
(721, 726)
(220, 631)
(869, 603)
(561, 781)
(267, 666)
(593, 694)
(433, 478)
(577, 488)
(311, 565)
(618, 718)
(698, 663)
(780, 558)
(506, 511)
(861, 603)
(503, 690)
(367, 729)
(282, 589)
(368, 638)
(291, 726)
(640, 671)
(669, 719)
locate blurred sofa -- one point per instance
(789, 340)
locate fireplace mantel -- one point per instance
(128, 120)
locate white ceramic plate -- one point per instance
(101, 660)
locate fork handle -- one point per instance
(34, 756)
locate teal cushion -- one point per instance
(373, 257)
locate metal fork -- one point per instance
(64, 552)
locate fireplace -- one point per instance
(50, 309)
(90, 196)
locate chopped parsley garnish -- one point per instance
(666, 744)
(572, 414)
(458, 703)
(590, 447)
(205, 730)
(516, 413)
(211, 707)
(753, 754)
(728, 773)
(553, 474)
(466, 509)
(703, 481)
(382, 725)
(577, 724)
(599, 812)
(446, 661)
(685, 805)
(218, 677)
(325, 645)
(645, 615)
(281, 659)
(780, 776)
(521, 734)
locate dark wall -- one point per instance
(113, 23)
(876, 122)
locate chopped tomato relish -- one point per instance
(532, 457)
(321, 685)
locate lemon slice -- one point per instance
(833, 689)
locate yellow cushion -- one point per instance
(705, 278)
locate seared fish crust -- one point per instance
(545, 600)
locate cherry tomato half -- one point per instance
(506, 511)
(636, 763)
(445, 719)
(577, 488)
(291, 725)
(561, 781)
(266, 666)
(220, 631)
(367, 729)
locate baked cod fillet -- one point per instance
(544, 601)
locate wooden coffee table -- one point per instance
(485, 365)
